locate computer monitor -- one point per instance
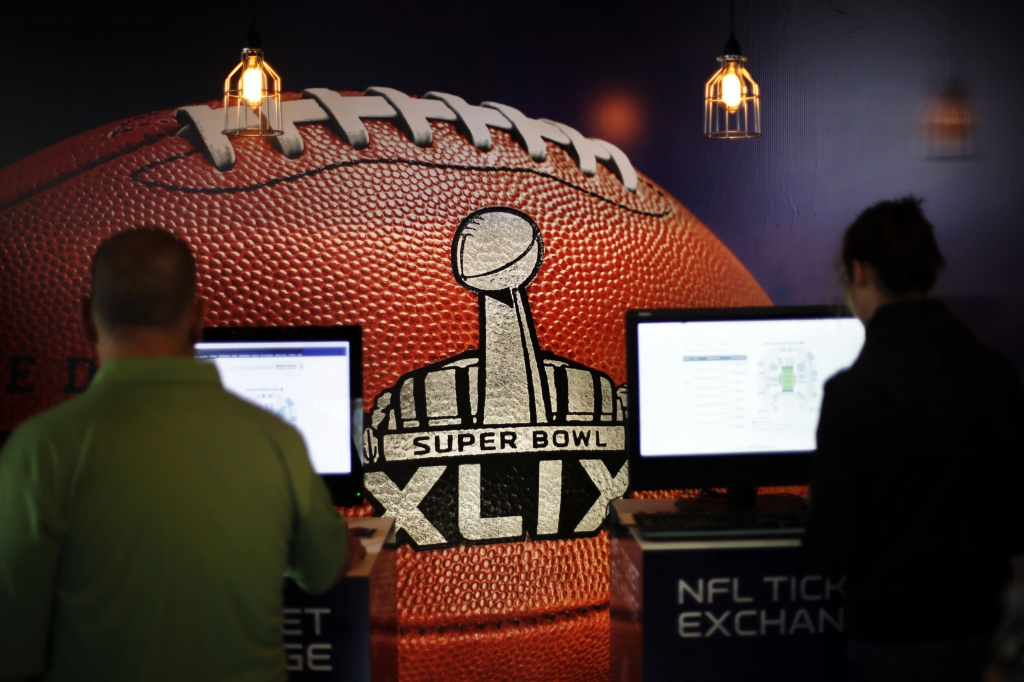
(311, 377)
(730, 397)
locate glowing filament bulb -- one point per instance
(732, 90)
(252, 83)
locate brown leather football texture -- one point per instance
(425, 220)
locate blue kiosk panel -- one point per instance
(348, 634)
(733, 610)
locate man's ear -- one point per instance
(860, 274)
(88, 323)
(199, 312)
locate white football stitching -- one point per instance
(204, 127)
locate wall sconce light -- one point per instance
(732, 100)
(950, 123)
(252, 94)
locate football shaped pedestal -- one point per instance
(730, 609)
(348, 634)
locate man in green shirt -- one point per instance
(146, 525)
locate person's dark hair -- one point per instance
(142, 278)
(898, 242)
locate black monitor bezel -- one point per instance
(711, 471)
(346, 489)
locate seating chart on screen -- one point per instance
(738, 386)
(305, 383)
(789, 379)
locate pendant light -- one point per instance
(252, 94)
(732, 100)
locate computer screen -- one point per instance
(308, 376)
(739, 389)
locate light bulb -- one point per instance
(252, 95)
(252, 83)
(731, 90)
(732, 100)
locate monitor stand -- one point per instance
(740, 498)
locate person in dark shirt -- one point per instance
(915, 482)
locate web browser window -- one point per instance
(738, 386)
(305, 383)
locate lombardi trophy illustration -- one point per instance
(504, 441)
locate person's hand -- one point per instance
(356, 551)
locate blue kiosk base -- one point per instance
(348, 634)
(729, 610)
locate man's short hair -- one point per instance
(898, 242)
(142, 278)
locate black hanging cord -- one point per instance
(252, 40)
(732, 46)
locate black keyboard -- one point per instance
(694, 525)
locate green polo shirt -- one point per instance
(146, 526)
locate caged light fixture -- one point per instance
(252, 94)
(732, 100)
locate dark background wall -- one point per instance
(846, 85)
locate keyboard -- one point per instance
(696, 525)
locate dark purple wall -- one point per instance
(845, 87)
